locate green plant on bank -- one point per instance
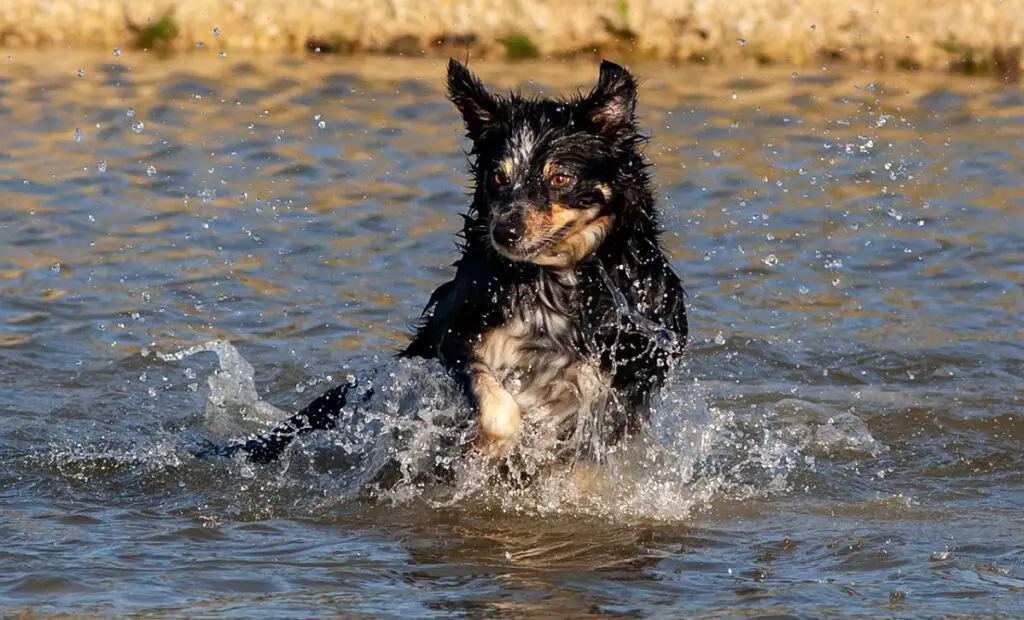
(622, 9)
(157, 35)
(619, 26)
(519, 47)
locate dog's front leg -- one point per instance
(499, 417)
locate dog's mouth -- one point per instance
(535, 248)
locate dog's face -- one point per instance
(545, 169)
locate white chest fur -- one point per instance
(532, 359)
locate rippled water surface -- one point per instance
(844, 439)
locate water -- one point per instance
(844, 437)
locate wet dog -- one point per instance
(564, 315)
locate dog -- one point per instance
(564, 315)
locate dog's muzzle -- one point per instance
(508, 229)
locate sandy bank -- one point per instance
(933, 34)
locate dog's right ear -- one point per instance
(477, 106)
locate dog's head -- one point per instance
(548, 171)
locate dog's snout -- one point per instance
(506, 231)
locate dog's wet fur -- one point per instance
(564, 315)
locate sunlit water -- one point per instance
(845, 436)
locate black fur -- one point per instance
(620, 306)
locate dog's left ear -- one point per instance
(611, 106)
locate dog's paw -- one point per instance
(499, 420)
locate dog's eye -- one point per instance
(499, 178)
(560, 180)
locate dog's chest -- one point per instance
(534, 357)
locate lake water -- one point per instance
(845, 437)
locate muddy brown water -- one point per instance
(844, 438)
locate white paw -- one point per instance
(499, 421)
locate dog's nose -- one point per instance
(505, 232)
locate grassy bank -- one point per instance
(973, 36)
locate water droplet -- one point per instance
(794, 75)
(130, 113)
(742, 42)
(223, 54)
(151, 170)
(771, 260)
(117, 51)
(216, 31)
(55, 268)
(81, 73)
(719, 339)
(138, 126)
(814, 26)
(200, 45)
(102, 166)
(207, 195)
(78, 134)
(717, 153)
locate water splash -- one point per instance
(405, 439)
(232, 387)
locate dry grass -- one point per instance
(979, 35)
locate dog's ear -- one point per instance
(611, 106)
(477, 106)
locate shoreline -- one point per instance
(984, 37)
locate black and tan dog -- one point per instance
(564, 315)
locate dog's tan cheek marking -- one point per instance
(541, 223)
(605, 191)
(577, 245)
(538, 223)
(562, 216)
